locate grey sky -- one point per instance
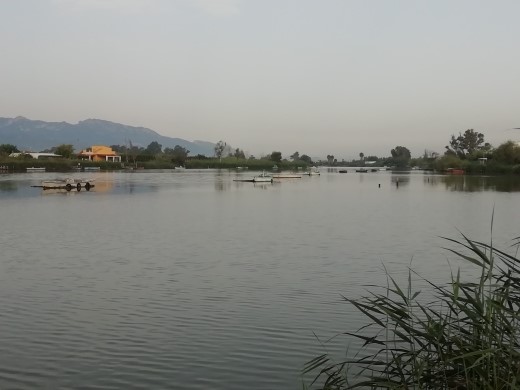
(319, 77)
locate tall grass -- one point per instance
(466, 336)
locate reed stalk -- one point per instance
(465, 337)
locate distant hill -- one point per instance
(34, 135)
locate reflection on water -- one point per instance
(222, 184)
(20, 185)
(262, 186)
(400, 179)
(8, 185)
(466, 183)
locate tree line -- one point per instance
(462, 151)
(467, 150)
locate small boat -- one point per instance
(67, 184)
(36, 169)
(313, 171)
(263, 178)
(92, 169)
(362, 170)
(343, 171)
(179, 168)
(455, 171)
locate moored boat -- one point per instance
(35, 169)
(455, 171)
(313, 171)
(67, 184)
(263, 178)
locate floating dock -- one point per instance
(287, 176)
(67, 184)
(255, 180)
(35, 169)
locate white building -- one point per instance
(35, 155)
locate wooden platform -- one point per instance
(67, 184)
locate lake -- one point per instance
(189, 280)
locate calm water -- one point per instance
(189, 280)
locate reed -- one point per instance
(465, 336)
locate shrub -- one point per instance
(466, 338)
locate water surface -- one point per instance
(164, 279)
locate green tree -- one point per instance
(179, 155)
(467, 144)
(65, 150)
(7, 149)
(133, 152)
(306, 159)
(295, 156)
(239, 154)
(276, 156)
(508, 152)
(362, 158)
(219, 149)
(400, 156)
(118, 148)
(153, 148)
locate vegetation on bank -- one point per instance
(467, 151)
(64, 164)
(54, 165)
(466, 337)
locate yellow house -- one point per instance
(100, 153)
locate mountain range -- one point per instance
(36, 135)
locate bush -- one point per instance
(466, 338)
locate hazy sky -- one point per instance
(315, 76)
